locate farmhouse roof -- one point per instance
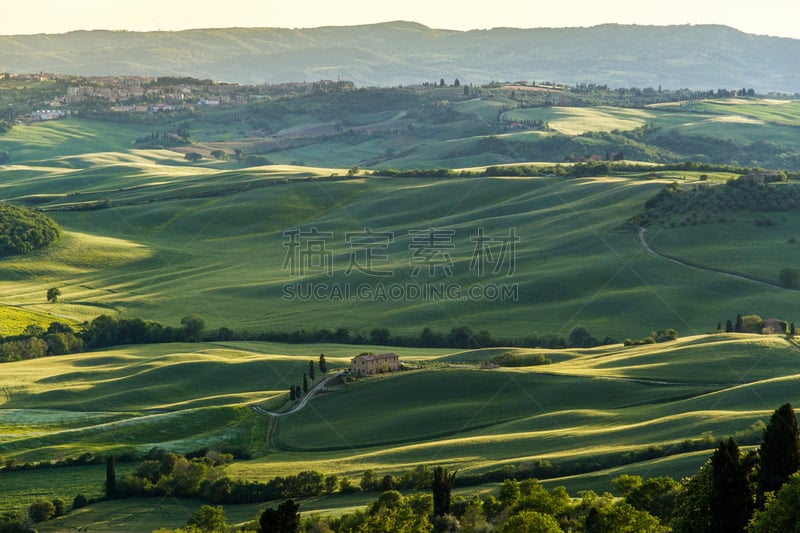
(376, 357)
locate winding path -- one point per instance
(316, 389)
(735, 275)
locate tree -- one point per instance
(52, 294)
(193, 156)
(311, 370)
(219, 154)
(79, 501)
(208, 518)
(442, 486)
(579, 337)
(457, 83)
(5, 157)
(379, 336)
(781, 513)
(111, 478)
(779, 451)
(730, 499)
(693, 505)
(728, 326)
(305, 383)
(41, 511)
(291, 393)
(331, 483)
(323, 365)
(790, 278)
(284, 519)
(192, 327)
(739, 326)
(531, 522)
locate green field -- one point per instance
(181, 239)
(146, 234)
(590, 406)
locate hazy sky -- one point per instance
(764, 17)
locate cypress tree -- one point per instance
(779, 451)
(111, 478)
(731, 501)
(739, 325)
(323, 366)
(305, 383)
(442, 485)
(311, 370)
(728, 326)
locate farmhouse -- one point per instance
(368, 364)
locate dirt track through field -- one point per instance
(735, 275)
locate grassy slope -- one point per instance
(588, 404)
(175, 245)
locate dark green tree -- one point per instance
(579, 337)
(193, 156)
(731, 502)
(379, 336)
(111, 478)
(41, 511)
(442, 486)
(593, 523)
(193, 327)
(728, 326)
(209, 519)
(284, 519)
(305, 383)
(52, 294)
(779, 452)
(311, 370)
(291, 393)
(739, 327)
(323, 365)
(79, 501)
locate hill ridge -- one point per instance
(402, 52)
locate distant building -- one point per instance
(366, 365)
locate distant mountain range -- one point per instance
(399, 53)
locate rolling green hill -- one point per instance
(594, 411)
(288, 247)
(211, 241)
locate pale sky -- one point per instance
(764, 17)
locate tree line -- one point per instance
(106, 331)
(734, 491)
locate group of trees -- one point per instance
(735, 490)
(295, 392)
(23, 230)
(703, 203)
(103, 331)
